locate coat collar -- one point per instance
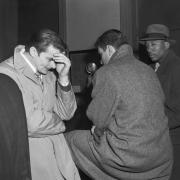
(162, 59)
(166, 61)
(124, 50)
(166, 58)
(21, 65)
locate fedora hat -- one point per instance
(157, 32)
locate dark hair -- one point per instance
(42, 39)
(112, 37)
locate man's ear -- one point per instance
(33, 51)
(111, 50)
(167, 44)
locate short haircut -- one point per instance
(111, 37)
(44, 38)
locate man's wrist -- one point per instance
(66, 87)
(64, 81)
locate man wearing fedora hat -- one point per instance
(167, 66)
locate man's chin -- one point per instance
(45, 73)
(154, 59)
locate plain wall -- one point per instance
(87, 19)
(35, 15)
(8, 27)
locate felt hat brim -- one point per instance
(156, 36)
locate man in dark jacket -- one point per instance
(130, 137)
(167, 66)
(14, 147)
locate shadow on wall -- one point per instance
(79, 61)
(79, 78)
(143, 55)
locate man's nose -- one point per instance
(52, 65)
(149, 48)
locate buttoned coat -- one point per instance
(168, 74)
(47, 104)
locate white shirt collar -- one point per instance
(27, 61)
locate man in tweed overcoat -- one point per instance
(130, 137)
